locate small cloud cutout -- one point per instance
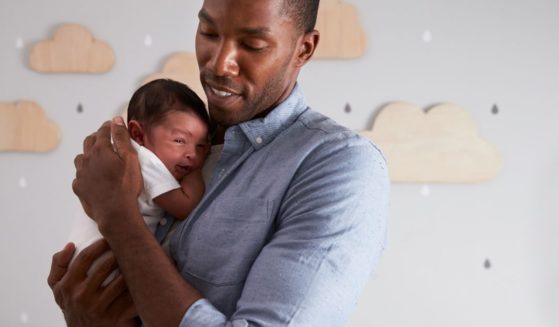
(341, 34)
(182, 67)
(72, 50)
(441, 145)
(25, 127)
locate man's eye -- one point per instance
(209, 35)
(254, 45)
(181, 141)
(249, 48)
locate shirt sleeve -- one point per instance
(157, 178)
(203, 313)
(330, 233)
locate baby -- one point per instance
(169, 127)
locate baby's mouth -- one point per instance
(183, 169)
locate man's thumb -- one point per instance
(120, 136)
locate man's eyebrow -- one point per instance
(203, 15)
(253, 31)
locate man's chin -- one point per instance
(224, 118)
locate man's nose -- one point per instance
(224, 60)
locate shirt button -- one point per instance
(259, 140)
(163, 222)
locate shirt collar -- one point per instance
(262, 131)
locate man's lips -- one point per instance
(221, 91)
(224, 98)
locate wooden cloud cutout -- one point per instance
(182, 67)
(341, 35)
(441, 145)
(25, 127)
(72, 50)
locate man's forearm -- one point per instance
(159, 292)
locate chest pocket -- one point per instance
(221, 245)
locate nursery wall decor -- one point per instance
(341, 34)
(25, 127)
(73, 49)
(440, 145)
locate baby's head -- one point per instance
(169, 119)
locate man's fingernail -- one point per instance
(118, 120)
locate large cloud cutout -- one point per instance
(72, 50)
(441, 145)
(25, 127)
(341, 35)
(182, 67)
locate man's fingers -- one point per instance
(85, 259)
(123, 307)
(118, 120)
(78, 161)
(102, 269)
(130, 311)
(104, 134)
(75, 186)
(112, 291)
(121, 137)
(88, 142)
(60, 263)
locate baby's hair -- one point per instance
(153, 101)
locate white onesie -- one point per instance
(157, 180)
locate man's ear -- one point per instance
(307, 47)
(136, 131)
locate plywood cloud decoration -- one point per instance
(25, 127)
(72, 50)
(341, 35)
(441, 145)
(182, 67)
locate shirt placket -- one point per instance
(235, 151)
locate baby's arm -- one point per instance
(181, 201)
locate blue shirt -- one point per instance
(292, 223)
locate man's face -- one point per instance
(246, 54)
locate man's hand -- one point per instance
(77, 288)
(108, 179)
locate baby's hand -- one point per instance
(194, 180)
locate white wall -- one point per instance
(432, 274)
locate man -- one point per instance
(294, 216)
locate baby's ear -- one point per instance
(136, 131)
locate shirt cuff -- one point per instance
(203, 313)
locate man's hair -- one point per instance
(153, 101)
(303, 12)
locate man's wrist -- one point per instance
(117, 219)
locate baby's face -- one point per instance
(180, 141)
